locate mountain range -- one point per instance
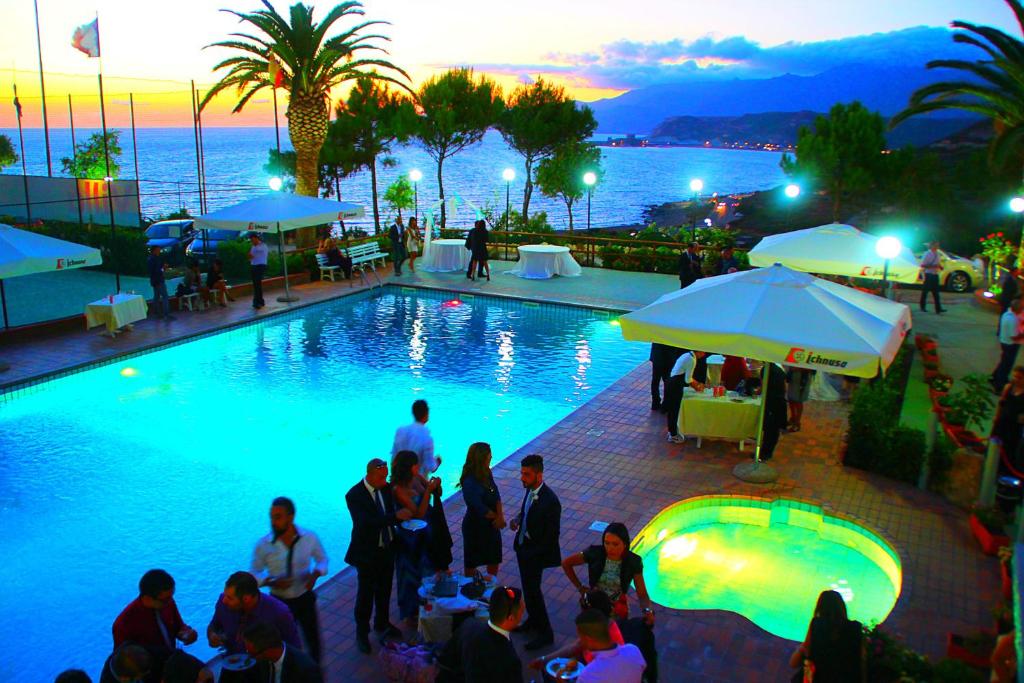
(883, 89)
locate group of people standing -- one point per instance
(407, 244)
(674, 369)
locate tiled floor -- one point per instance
(608, 461)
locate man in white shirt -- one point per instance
(416, 437)
(612, 663)
(931, 265)
(258, 266)
(290, 560)
(680, 378)
(1009, 339)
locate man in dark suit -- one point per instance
(396, 233)
(275, 661)
(372, 550)
(536, 544)
(483, 653)
(662, 358)
(690, 265)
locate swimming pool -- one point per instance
(170, 459)
(767, 561)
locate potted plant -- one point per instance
(923, 341)
(988, 526)
(941, 384)
(971, 404)
(975, 649)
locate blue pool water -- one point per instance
(110, 472)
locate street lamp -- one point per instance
(275, 184)
(887, 248)
(792, 191)
(696, 186)
(415, 176)
(589, 178)
(508, 175)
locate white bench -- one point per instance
(191, 301)
(366, 254)
(327, 272)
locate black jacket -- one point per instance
(775, 397)
(368, 521)
(689, 268)
(543, 524)
(477, 653)
(297, 667)
(596, 557)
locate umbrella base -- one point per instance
(287, 298)
(755, 472)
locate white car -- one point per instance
(958, 273)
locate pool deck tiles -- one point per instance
(608, 461)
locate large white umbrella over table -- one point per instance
(834, 249)
(26, 253)
(777, 315)
(278, 212)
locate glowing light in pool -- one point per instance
(129, 372)
(662, 534)
(452, 303)
(679, 548)
(614, 323)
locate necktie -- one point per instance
(163, 631)
(386, 535)
(522, 518)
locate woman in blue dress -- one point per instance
(412, 492)
(484, 519)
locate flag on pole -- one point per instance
(17, 103)
(87, 38)
(274, 69)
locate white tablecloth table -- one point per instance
(445, 256)
(703, 415)
(124, 310)
(543, 261)
(435, 624)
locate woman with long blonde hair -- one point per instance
(484, 519)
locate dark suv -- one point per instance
(172, 237)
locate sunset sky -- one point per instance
(597, 49)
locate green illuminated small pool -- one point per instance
(767, 561)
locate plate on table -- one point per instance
(414, 524)
(564, 669)
(238, 662)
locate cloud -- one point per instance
(526, 79)
(628, 64)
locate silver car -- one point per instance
(958, 273)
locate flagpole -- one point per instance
(108, 180)
(24, 167)
(42, 90)
(195, 135)
(277, 126)
(202, 150)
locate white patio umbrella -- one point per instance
(834, 249)
(25, 253)
(278, 212)
(777, 315)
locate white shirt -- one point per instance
(278, 666)
(622, 664)
(685, 366)
(931, 262)
(259, 252)
(1008, 325)
(498, 629)
(270, 561)
(532, 495)
(416, 437)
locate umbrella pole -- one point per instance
(287, 298)
(3, 301)
(758, 472)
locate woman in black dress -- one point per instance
(834, 645)
(1009, 418)
(484, 520)
(477, 243)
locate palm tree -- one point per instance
(309, 65)
(992, 87)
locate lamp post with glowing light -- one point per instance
(589, 178)
(416, 176)
(887, 248)
(792, 191)
(276, 185)
(508, 175)
(696, 186)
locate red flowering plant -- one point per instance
(997, 248)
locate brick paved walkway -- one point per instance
(608, 461)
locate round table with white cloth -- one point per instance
(543, 261)
(730, 417)
(445, 256)
(117, 311)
